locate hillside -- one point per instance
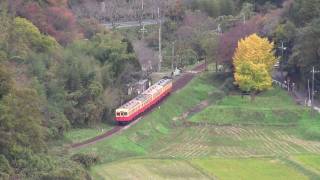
(185, 138)
(63, 74)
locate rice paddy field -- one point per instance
(200, 132)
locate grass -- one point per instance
(162, 143)
(148, 169)
(274, 107)
(140, 138)
(208, 168)
(309, 161)
(78, 135)
(246, 169)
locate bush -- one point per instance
(5, 168)
(87, 160)
(5, 81)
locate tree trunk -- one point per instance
(253, 96)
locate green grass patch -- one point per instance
(78, 135)
(246, 169)
(209, 168)
(143, 136)
(148, 169)
(310, 126)
(162, 135)
(273, 107)
(309, 161)
(236, 115)
(274, 98)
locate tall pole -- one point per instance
(309, 94)
(142, 5)
(244, 18)
(282, 57)
(143, 30)
(281, 64)
(219, 29)
(313, 88)
(160, 48)
(312, 95)
(141, 13)
(206, 63)
(172, 60)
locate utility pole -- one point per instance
(142, 5)
(173, 56)
(283, 48)
(313, 89)
(219, 29)
(160, 48)
(143, 30)
(206, 63)
(142, 12)
(244, 18)
(309, 94)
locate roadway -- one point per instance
(130, 24)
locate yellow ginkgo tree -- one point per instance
(253, 61)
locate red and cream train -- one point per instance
(132, 109)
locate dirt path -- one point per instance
(181, 82)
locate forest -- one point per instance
(61, 69)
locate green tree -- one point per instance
(5, 168)
(6, 82)
(226, 7)
(21, 122)
(303, 12)
(5, 26)
(25, 38)
(306, 51)
(210, 44)
(285, 32)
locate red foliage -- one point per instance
(176, 11)
(34, 13)
(228, 41)
(61, 18)
(54, 19)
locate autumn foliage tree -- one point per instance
(253, 62)
(228, 41)
(52, 17)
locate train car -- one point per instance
(132, 109)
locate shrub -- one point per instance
(87, 160)
(5, 168)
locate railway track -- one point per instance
(181, 82)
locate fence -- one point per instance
(291, 87)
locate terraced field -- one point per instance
(201, 168)
(248, 169)
(187, 139)
(234, 141)
(138, 169)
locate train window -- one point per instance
(118, 114)
(125, 113)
